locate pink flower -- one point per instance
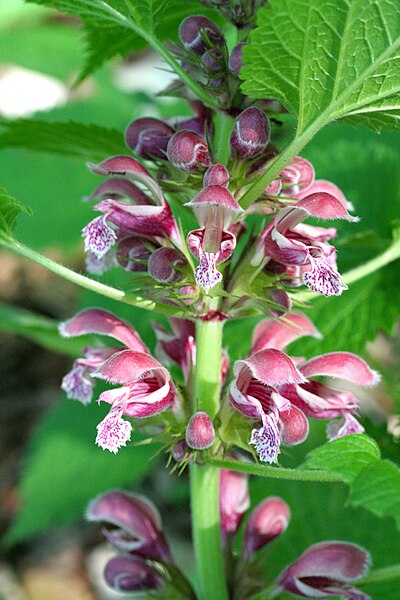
(267, 521)
(314, 398)
(147, 214)
(138, 522)
(255, 392)
(127, 573)
(234, 500)
(290, 243)
(327, 569)
(215, 209)
(146, 389)
(78, 383)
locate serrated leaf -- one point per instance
(347, 456)
(377, 488)
(9, 211)
(73, 139)
(328, 60)
(63, 453)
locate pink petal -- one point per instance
(324, 206)
(321, 185)
(119, 188)
(234, 500)
(294, 426)
(323, 278)
(346, 425)
(339, 561)
(271, 367)
(131, 512)
(267, 521)
(97, 320)
(129, 365)
(99, 236)
(343, 365)
(118, 165)
(272, 333)
(267, 440)
(113, 432)
(195, 240)
(206, 274)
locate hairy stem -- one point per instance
(384, 574)
(276, 472)
(87, 282)
(205, 478)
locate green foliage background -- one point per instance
(42, 164)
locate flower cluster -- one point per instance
(268, 386)
(144, 562)
(324, 569)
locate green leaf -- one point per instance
(39, 329)
(374, 483)
(328, 60)
(72, 139)
(347, 456)
(377, 488)
(63, 452)
(9, 211)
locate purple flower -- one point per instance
(188, 151)
(138, 522)
(313, 398)
(267, 521)
(255, 392)
(215, 209)
(127, 573)
(288, 242)
(234, 500)
(327, 569)
(146, 389)
(149, 215)
(250, 134)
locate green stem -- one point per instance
(384, 574)
(204, 490)
(204, 480)
(208, 365)
(276, 472)
(199, 92)
(277, 165)
(223, 128)
(87, 282)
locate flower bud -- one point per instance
(216, 175)
(233, 500)
(213, 60)
(197, 33)
(250, 135)
(235, 62)
(200, 431)
(148, 137)
(327, 569)
(180, 450)
(188, 151)
(162, 265)
(188, 294)
(133, 253)
(282, 298)
(268, 520)
(131, 574)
